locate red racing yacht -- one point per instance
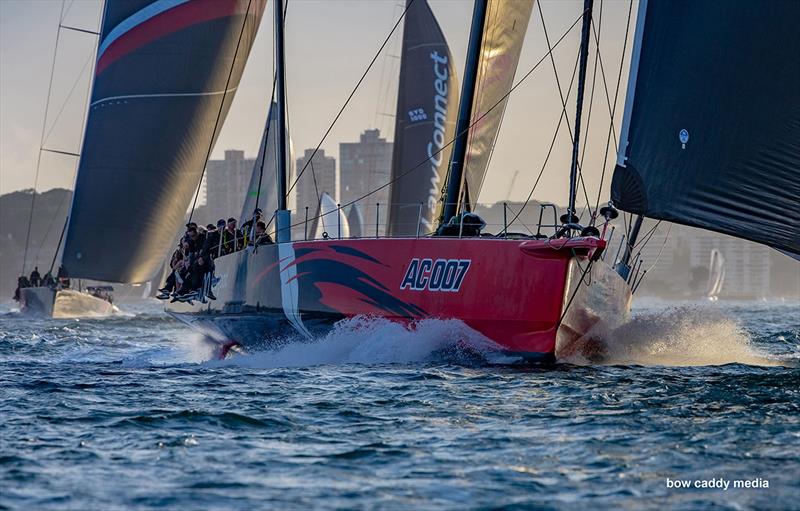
(526, 294)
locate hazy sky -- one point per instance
(329, 44)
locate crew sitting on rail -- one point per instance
(35, 279)
(63, 277)
(247, 227)
(48, 280)
(261, 237)
(232, 240)
(22, 282)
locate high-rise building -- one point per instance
(365, 166)
(318, 178)
(226, 185)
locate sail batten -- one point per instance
(711, 136)
(166, 74)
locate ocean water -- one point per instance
(131, 413)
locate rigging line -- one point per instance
(41, 142)
(605, 82)
(646, 238)
(50, 226)
(664, 244)
(221, 107)
(66, 12)
(64, 105)
(561, 118)
(266, 138)
(616, 96)
(574, 293)
(594, 79)
(319, 197)
(341, 110)
(383, 83)
(479, 119)
(76, 29)
(84, 119)
(561, 95)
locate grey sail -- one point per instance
(427, 106)
(262, 190)
(711, 135)
(166, 74)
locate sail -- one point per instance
(355, 221)
(331, 221)
(711, 133)
(160, 82)
(427, 107)
(504, 31)
(262, 192)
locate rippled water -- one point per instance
(129, 413)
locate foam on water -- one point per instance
(679, 336)
(683, 336)
(367, 340)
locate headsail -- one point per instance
(331, 220)
(262, 190)
(427, 105)
(711, 135)
(161, 76)
(503, 34)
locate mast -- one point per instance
(282, 215)
(455, 173)
(571, 217)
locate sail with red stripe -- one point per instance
(166, 74)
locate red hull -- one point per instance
(510, 291)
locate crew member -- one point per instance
(35, 278)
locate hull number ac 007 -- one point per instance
(438, 275)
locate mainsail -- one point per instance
(711, 134)
(166, 74)
(504, 31)
(427, 105)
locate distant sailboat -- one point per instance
(716, 275)
(165, 75)
(332, 222)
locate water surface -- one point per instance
(129, 413)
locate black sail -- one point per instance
(711, 136)
(161, 75)
(427, 106)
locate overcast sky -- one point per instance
(329, 44)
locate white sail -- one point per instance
(332, 222)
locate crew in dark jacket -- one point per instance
(35, 278)
(247, 227)
(231, 238)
